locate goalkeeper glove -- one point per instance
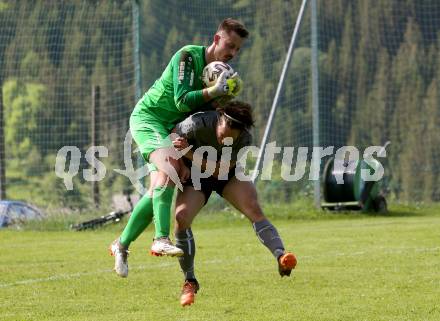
(220, 88)
(235, 84)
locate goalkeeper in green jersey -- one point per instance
(177, 93)
(213, 129)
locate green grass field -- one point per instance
(351, 267)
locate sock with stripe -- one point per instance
(269, 237)
(185, 242)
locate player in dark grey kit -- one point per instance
(216, 129)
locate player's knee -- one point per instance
(182, 219)
(162, 179)
(175, 163)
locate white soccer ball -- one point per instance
(213, 70)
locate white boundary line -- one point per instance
(238, 258)
(79, 274)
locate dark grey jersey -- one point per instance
(200, 130)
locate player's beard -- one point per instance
(227, 58)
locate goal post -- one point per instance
(281, 80)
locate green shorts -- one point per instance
(149, 133)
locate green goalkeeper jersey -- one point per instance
(179, 90)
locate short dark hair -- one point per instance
(230, 24)
(237, 114)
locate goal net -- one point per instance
(378, 71)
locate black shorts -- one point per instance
(210, 184)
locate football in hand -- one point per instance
(213, 70)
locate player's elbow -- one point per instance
(181, 105)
